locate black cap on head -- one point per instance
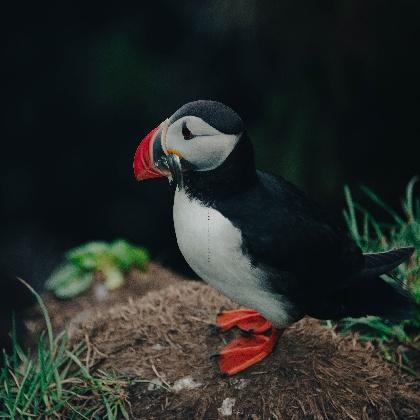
(218, 115)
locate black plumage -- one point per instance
(214, 113)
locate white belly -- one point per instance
(211, 245)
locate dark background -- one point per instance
(329, 91)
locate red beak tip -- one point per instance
(143, 165)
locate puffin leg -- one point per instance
(245, 319)
(244, 352)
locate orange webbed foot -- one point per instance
(246, 319)
(244, 352)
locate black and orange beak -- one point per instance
(153, 159)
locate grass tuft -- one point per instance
(397, 341)
(55, 382)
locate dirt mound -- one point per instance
(97, 298)
(165, 337)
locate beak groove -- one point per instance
(143, 164)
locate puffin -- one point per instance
(257, 238)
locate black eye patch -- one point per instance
(186, 132)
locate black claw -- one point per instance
(214, 356)
(247, 333)
(222, 309)
(214, 329)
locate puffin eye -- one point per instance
(186, 132)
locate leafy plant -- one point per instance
(54, 382)
(392, 338)
(111, 259)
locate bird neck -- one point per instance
(235, 175)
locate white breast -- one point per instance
(211, 245)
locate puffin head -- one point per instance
(198, 137)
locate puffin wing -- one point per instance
(311, 260)
(284, 230)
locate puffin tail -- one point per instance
(376, 292)
(373, 291)
(381, 296)
(378, 263)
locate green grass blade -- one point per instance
(350, 215)
(383, 205)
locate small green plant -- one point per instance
(113, 260)
(395, 340)
(55, 383)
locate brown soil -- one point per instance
(164, 336)
(64, 313)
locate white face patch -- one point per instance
(206, 150)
